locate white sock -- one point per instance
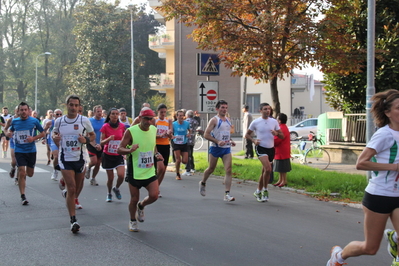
(265, 188)
(339, 257)
(257, 191)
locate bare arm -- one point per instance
(364, 163)
(127, 139)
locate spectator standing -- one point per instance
(282, 158)
(246, 121)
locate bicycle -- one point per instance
(314, 156)
(199, 140)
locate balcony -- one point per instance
(162, 81)
(162, 42)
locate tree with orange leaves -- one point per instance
(262, 39)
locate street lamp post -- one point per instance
(46, 53)
(131, 7)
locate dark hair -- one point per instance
(72, 97)
(262, 105)
(246, 107)
(283, 118)
(22, 104)
(161, 106)
(382, 103)
(107, 119)
(219, 103)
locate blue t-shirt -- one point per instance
(180, 132)
(21, 130)
(97, 125)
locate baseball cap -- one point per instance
(122, 110)
(146, 111)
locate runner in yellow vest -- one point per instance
(141, 139)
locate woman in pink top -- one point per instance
(111, 135)
(282, 157)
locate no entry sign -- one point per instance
(208, 96)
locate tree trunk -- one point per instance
(275, 97)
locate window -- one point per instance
(253, 101)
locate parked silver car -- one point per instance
(303, 128)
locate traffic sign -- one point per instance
(208, 92)
(208, 64)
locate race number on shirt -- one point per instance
(179, 139)
(113, 146)
(22, 136)
(70, 143)
(146, 159)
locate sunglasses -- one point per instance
(147, 118)
(58, 114)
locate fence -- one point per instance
(352, 128)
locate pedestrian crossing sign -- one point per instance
(208, 64)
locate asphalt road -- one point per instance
(181, 228)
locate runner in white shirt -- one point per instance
(69, 135)
(381, 198)
(266, 128)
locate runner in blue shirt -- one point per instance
(22, 130)
(181, 129)
(95, 152)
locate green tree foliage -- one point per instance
(102, 71)
(345, 69)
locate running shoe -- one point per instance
(16, 181)
(109, 197)
(392, 245)
(202, 189)
(24, 201)
(4, 154)
(75, 227)
(133, 226)
(395, 262)
(93, 182)
(117, 193)
(265, 195)
(258, 196)
(64, 192)
(78, 206)
(88, 171)
(333, 261)
(139, 214)
(187, 173)
(12, 172)
(61, 184)
(54, 176)
(178, 177)
(192, 170)
(227, 197)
